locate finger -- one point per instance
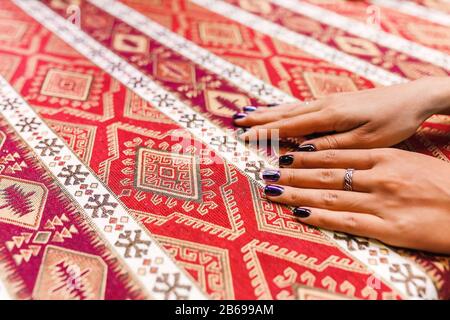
(343, 159)
(274, 108)
(321, 198)
(267, 115)
(346, 140)
(360, 224)
(320, 179)
(299, 125)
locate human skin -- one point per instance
(374, 118)
(399, 197)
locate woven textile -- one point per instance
(120, 173)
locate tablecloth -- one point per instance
(121, 176)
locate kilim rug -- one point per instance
(120, 173)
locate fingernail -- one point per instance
(273, 191)
(239, 115)
(272, 105)
(249, 108)
(306, 148)
(271, 175)
(286, 160)
(301, 212)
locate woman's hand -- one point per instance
(373, 118)
(399, 197)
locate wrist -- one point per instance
(437, 89)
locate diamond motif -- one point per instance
(430, 35)
(130, 43)
(12, 30)
(224, 104)
(357, 46)
(174, 70)
(21, 202)
(67, 84)
(42, 237)
(67, 274)
(220, 33)
(322, 85)
(170, 174)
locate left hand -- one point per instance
(399, 197)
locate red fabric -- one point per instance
(38, 262)
(245, 246)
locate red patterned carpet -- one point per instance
(120, 173)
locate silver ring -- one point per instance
(348, 179)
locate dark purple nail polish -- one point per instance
(286, 160)
(249, 108)
(273, 191)
(306, 148)
(301, 212)
(239, 115)
(271, 175)
(272, 105)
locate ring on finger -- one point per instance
(348, 179)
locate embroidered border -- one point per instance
(414, 9)
(223, 143)
(307, 44)
(365, 31)
(232, 73)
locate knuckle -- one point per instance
(322, 221)
(299, 159)
(379, 155)
(332, 111)
(329, 198)
(373, 156)
(331, 141)
(286, 115)
(350, 223)
(329, 157)
(326, 176)
(294, 197)
(391, 183)
(290, 177)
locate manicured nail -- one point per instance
(249, 108)
(301, 212)
(307, 148)
(273, 191)
(271, 175)
(239, 115)
(272, 105)
(286, 160)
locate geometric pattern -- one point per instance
(322, 85)
(306, 293)
(130, 43)
(11, 30)
(175, 175)
(209, 265)
(220, 33)
(224, 103)
(8, 65)
(158, 165)
(70, 275)
(21, 202)
(64, 84)
(357, 46)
